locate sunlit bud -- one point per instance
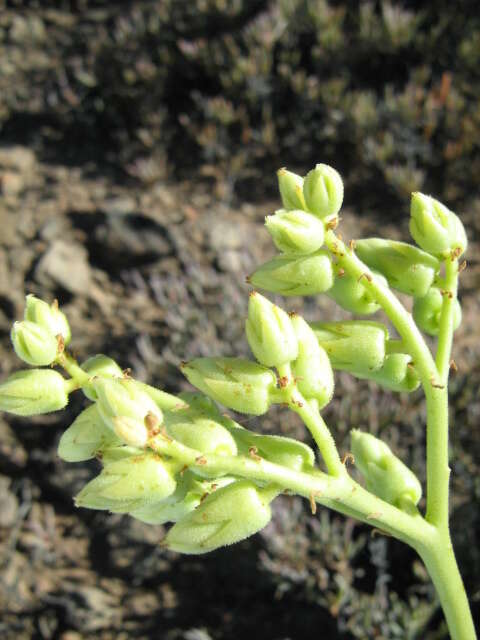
(48, 316)
(125, 399)
(278, 449)
(238, 384)
(130, 483)
(295, 276)
(351, 293)
(199, 403)
(354, 343)
(100, 366)
(435, 228)
(312, 369)
(200, 432)
(187, 496)
(161, 398)
(33, 392)
(269, 332)
(291, 189)
(295, 231)
(33, 344)
(226, 516)
(397, 373)
(407, 268)
(386, 475)
(132, 431)
(427, 312)
(323, 191)
(85, 437)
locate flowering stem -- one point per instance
(313, 421)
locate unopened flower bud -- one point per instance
(125, 399)
(200, 432)
(312, 369)
(269, 332)
(85, 437)
(397, 373)
(238, 384)
(295, 276)
(226, 516)
(323, 191)
(188, 495)
(100, 366)
(291, 189)
(355, 343)
(435, 228)
(407, 268)
(278, 449)
(130, 483)
(48, 316)
(200, 403)
(33, 392)
(33, 344)
(386, 475)
(427, 312)
(351, 294)
(295, 231)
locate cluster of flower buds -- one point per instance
(298, 230)
(385, 475)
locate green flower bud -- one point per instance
(187, 496)
(295, 231)
(238, 384)
(226, 516)
(435, 228)
(407, 268)
(130, 483)
(278, 449)
(48, 316)
(351, 294)
(385, 474)
(323, 191)
(85, 437)
(100, 366)
(397, 373)
(200, 432)
(355, 343)
(123, 407)
(427, 312)
(162, 399)
(269, 332)
(291, 189)
(33, 392)
(312, 369)
(200, 403)
(295, 276)
(33, 344)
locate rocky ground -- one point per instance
(152, 274)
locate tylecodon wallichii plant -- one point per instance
(179, 459)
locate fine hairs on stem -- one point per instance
(179, 459)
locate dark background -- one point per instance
(138, 148)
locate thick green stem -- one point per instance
(445, 335)
(440, 562)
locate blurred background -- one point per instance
(138, 148)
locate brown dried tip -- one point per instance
(352, 244)
(462, 266)
(292, 314)
(248, 280)
(348, 457)
(333, 224)
(313, 504)
(283, 382)
(127, 373)
(201, 460)
(453, 365)
(253, 453)
(60, 343)
(183, 364)
(252, 294)
(55, 305)
(341, 272)
(151, 421)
